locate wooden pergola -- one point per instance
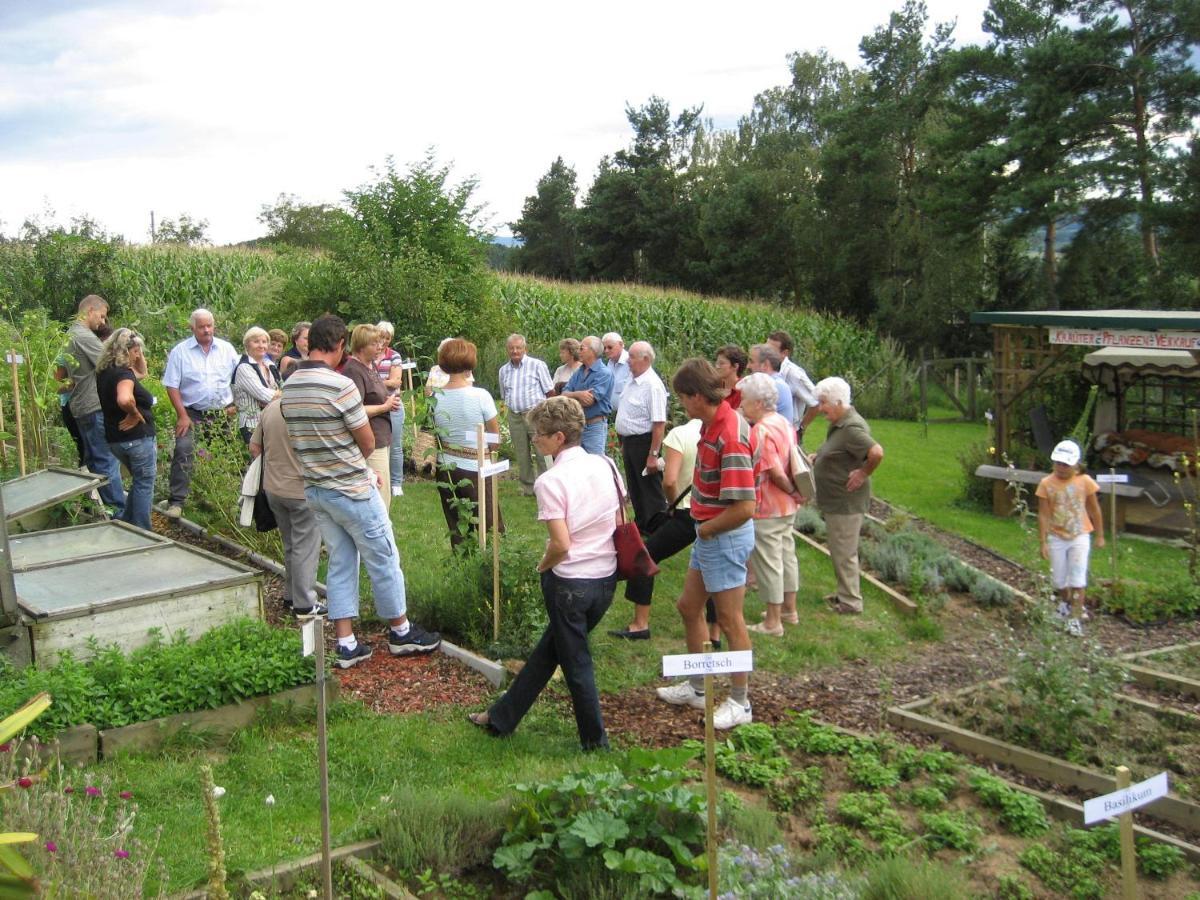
(1027, 346)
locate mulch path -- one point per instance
(406, 684)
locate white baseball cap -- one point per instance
(1066, 452)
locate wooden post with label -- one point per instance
(710, 778)
(481, 458)
(1129, 889)
(1112, 514)
(13, 360)
(4, 443)
(496, 561)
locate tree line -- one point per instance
(1055, 166)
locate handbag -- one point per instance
(633, 559)
(659, 519)
(801, 472)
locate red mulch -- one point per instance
(405, 684)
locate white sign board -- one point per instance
(708, 663)
(11, 358)
(1125, 800)
(308, 637)
(469, 437)
(494, 468)
(1112, 479)
(406, 365)
(1125, 337)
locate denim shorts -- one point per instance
(721, 560)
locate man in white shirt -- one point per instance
(197, 379)
(641, 424)
(617, 361)
(524, 383)
(804, 397)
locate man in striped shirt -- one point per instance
(524, 383)
(723, 502)
(329, 431)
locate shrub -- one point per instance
(959, 577)
(867, 770)
(443, 832)
(750, 755)
(799, 790)
(990, 593)
(901, 878)
(976, 491)
(808, 521)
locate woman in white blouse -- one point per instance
(255, 380)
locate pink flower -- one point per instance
(51, 847)
(24, 782)
(4, 748)
(126, 795)
(121, 854)
(92, 791)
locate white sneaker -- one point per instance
(397, 490)
(1063, 611)
(730, 714)
(682, 694)
(1074, 628)
(174, 511)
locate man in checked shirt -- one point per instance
(524, 383)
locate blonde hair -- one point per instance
(362, 336)
(558, 414)
(254, 332)
(116, 349)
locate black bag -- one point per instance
(659, 519)
(264, 517)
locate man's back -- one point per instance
(321, 409)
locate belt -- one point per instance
(594, 419)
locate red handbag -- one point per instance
(633, 559)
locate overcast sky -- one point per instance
(214, 107)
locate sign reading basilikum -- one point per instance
(1123, 337)
(1125, 800)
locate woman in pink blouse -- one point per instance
(578, 499)
(774, 557)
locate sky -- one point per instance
(212, 108)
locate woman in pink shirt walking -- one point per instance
(578, 498)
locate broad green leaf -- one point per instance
(14, 888)
(17, 837)
(598, 828)
(13, 861)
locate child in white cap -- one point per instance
(1068, 513)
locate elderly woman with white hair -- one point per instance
(774, 557)
(255, 380)
(389, 366)
(842, 468)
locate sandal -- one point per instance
(790, 618)
(764, 628)
(480, 720)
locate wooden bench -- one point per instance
(1002, 498)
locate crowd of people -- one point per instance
(326, 415)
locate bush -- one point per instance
(1021, 813)
(808, 521)
(241, 659)
(976, 491)
(990, 593)
(443, 832)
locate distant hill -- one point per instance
(507, 240)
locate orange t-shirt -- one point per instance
(1068, 504)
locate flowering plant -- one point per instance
(747, 872)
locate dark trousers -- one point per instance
(207, 424)
(460, 503)
(575, 606)
(677, 533)
(645, 491)
(73, 430)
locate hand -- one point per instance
(231, 409)
(652, 463)
(392, 402)
(377, 478)
(134, 419)
(856, 480)
(701, 534)
(183, 425)
(1099, 538)
(587, 398)
(1045, 550)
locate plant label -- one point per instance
(14, 359)
(308, 637)
(495, 468)
(708, 663)
(469, 438)
(407, 365)
(1125, 800)
(1112, 479)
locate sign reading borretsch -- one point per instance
(1125, 800)
(1125, 337)
(708, 663)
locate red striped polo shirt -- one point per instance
(725, 459)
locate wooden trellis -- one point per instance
(1021, 356)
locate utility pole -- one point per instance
(153, 235)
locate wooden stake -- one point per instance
(496, 561)
(412, 403)
(1112, 515)
(710, 779)
(323, 766)
(12, 358)
(481, 457)
(1129, 888)
(4, 443)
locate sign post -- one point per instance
(412, 398)
(15, 359)
(1121, 803)
(312, 636)
(709, 663)
(1112, 479)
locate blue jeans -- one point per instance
(353, 529)
(397, 449)
(100, 461)
(140, 457)
(595, 437)
(575, 606)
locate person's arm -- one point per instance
(586, 398)
(1093, 510)
(183, 422)
(492, 425)
(779, 478)
(859, 476)
(672, 465)
(731, 517)
(1044, 513)
(286, 364)
(365, 438)
(809, 415)
(379, 409)
(247, 381)
(128, 403)
(557, 547)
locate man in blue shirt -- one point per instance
(592, 386)
(765, 358)
(617, 364)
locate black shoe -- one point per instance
(418, 640)
(643, 635)
(347, 658)
(716, 644)
(317, 609)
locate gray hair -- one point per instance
(197, 313)
(760, 387)
(386, 327)
(298, 329)
(642, 348)
(515, 339)
(254, 332)
(767, 353)
(613, 336)
(833, 390)
(116, 349)
(593, 343)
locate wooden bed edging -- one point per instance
(1159, 680)
(493, 671)
(1171, 808)
(903, 604)
(284, 875)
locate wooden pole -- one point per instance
(496, 561)
(323, 765)
(1112, 514)
(710, 779)
(4, 443)
(12, 358)
(412, 405)
(481, 458)
(1129, 888)
(972, 409)
(924, 394)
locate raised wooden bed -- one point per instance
(902, 604)
(1152, 676)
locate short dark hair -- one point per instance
(697, 378)
(456, 356)
(326, 333)
(737, 357)
(783, 339)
